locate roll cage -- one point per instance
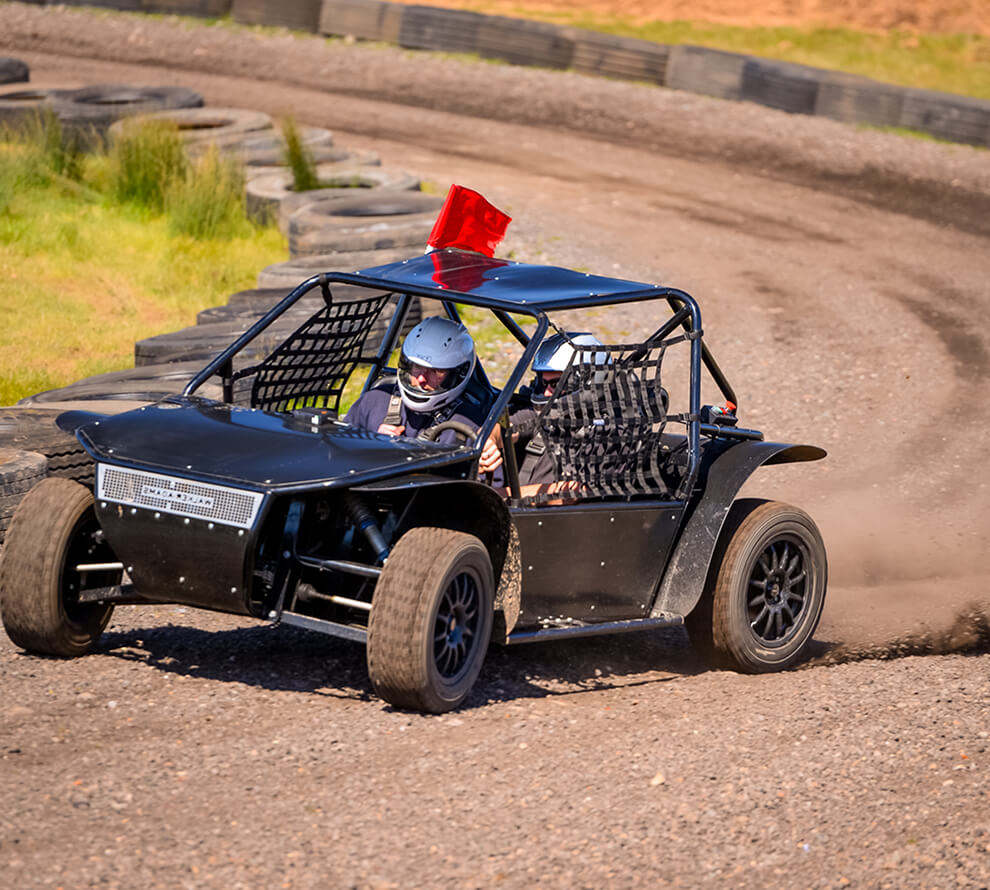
(310, 369)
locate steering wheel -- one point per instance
(465, 429)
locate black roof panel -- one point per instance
(509, 285)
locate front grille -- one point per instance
(167, 494)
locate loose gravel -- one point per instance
(843, 275)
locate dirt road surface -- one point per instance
(844, 279)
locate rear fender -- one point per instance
(719, 482)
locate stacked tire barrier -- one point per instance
(89, 112)
(798, 89)
(34, 429)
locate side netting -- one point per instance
(605, 427)
(310, 369)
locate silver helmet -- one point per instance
(556, 353)
(438, 344)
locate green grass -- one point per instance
(208, 201)
(298, 158)
(953, 63)
(83, 276)
(143, 162)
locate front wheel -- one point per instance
(54, 531)
(431, 620)
(767, 591)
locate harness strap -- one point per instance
(535, 449)
(393, 416)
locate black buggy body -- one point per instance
(268, 504)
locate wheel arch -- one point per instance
(722, 475)
(458, 504)
(472, 507)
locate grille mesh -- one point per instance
(154, 491)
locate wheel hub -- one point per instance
(777, 587)
(457, 624)
(455, 629)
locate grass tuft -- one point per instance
(208, 201)
(298, 158)
(37, 152)
(145, 158)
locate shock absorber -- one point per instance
(360, 515)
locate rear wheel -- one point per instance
(53, 531)
(431, 620)
(766, 593)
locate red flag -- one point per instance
(467, 221)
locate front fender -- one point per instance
(719, 482)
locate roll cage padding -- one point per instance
(719, 481)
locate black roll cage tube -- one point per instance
(686, 313)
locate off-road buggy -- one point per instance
(267, 504)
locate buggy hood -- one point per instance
(210, 441)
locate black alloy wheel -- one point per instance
(431, 619)
(458, 623)
(765, 590)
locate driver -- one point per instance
(536, 470)
(435, 366)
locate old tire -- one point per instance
(53, 530)
(291, 273)
(766, 589)
(18, 106)
(92, 110)
(34, 429)
(431, 620)
(20, 471)
(265, 194)
(148, 383)
(13, 70)
(201, 127)
(377, 221)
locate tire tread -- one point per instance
(414, 570)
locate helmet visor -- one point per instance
(422, 381)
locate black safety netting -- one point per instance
(311, 368)
(606, 426)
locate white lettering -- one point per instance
(160, 493)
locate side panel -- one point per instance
(719, 482)
(592, 562)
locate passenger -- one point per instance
(435, 366)
(536, 469)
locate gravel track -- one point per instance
(843, 277)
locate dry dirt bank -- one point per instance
(199, 750)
